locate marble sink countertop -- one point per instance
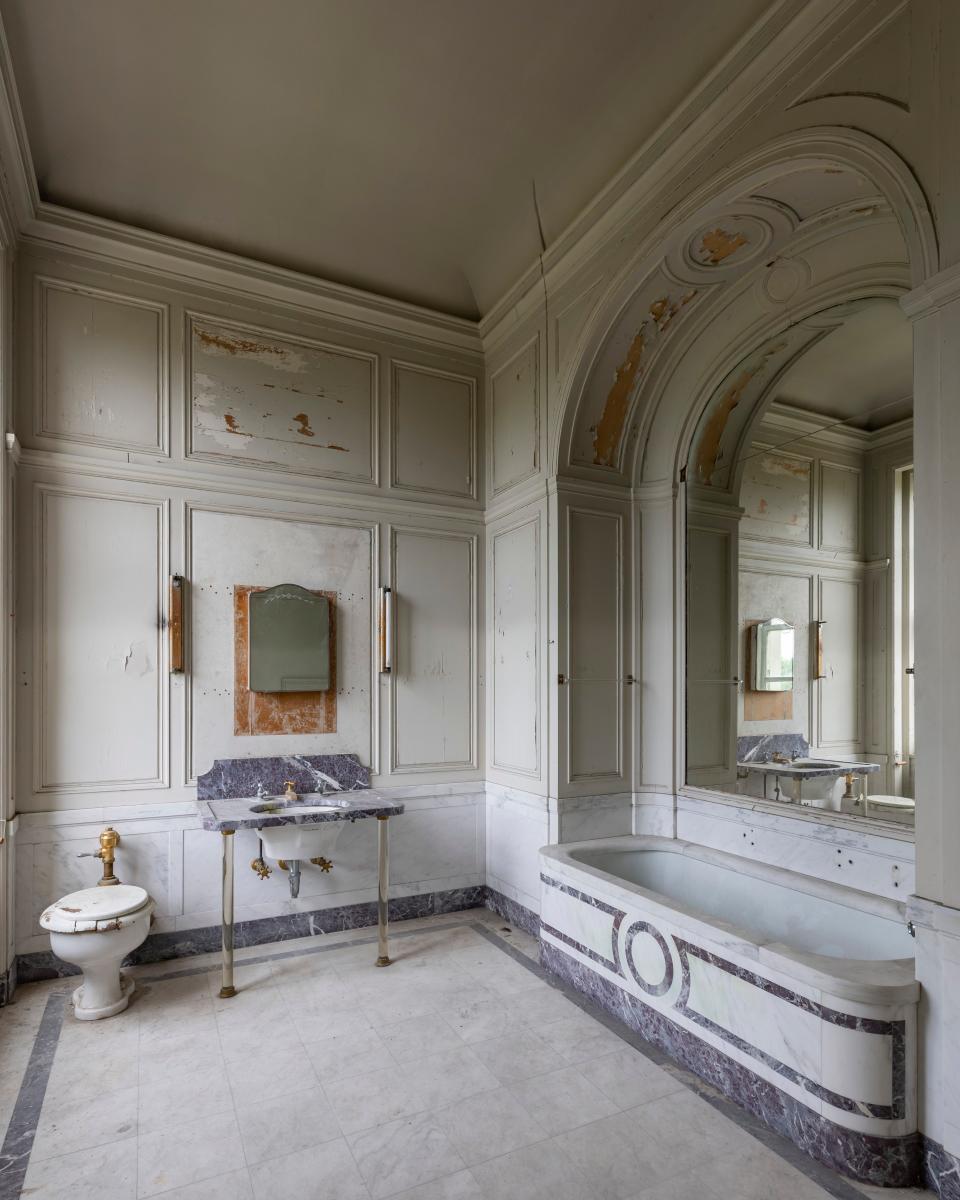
(811, 771)
(238, 813)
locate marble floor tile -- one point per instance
(262, 1076)
(183, 1096)
(365, 1101)
(102, 1173)
(403, 1153)
(77, 1076)
(410, 1040)
(562, 1100)
(315, 1024)
(487, 1125)
(185, 1154)
(66, 1126)
(518, 1056)
(757, 1173)
(535, 1173)
(615, 1156)
(629, 1078)
(459, 1186)
(328, 1171)
(235, 1185)
(544, 1005)
(289, 1123)
(349, 1054)
(481, 1020)
(443, 1079)
(580, 1038)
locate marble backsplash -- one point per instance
(762, 747)
(230, 778)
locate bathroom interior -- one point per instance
(476, 708)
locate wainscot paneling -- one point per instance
(777, 497)
(98, 657)
(515, 418)
(840, 507)
(433, 684)
(840, 709)
(99, 368)
(433, 432)
(288, 403)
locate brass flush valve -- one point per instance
(323, 863)
(109, 841)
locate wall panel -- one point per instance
(433, 432)
(433, 683)
(515, 419)
(516, 634)
(98, 654)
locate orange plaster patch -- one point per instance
(717, 244)
(606, 438)
(279, 712)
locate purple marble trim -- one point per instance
(231, 778)
(895, 1030)
(652, 989)
(162, 946)
(941, 1170)
(612, 963)
(512, 911)
(884, 1162)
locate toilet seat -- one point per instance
(96, 909)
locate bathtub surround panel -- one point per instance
(776, 1031)
(881, 1161)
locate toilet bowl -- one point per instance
(95, 929)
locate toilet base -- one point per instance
(97, 1013)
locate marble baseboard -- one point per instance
(160, 947)
(884, 1162)
(941, 1170)
(513, 912)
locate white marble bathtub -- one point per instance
(795, 996)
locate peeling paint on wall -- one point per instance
(281, 712)
(609, 429)
(328, 414)
(710, 451)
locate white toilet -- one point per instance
(95, 929)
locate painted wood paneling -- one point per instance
(433, 432)
(515, 419)
(840, 708)
(515, 558)
(840, 503)
(776, 496)
(291, 404)
(434, 705)
(594, 643)
(99, 708)
(100, 368)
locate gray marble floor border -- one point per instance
(18, 1142)
(21, 1131)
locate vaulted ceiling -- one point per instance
(388, 145)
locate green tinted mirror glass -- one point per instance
(289, 640)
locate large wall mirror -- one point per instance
(800, 576)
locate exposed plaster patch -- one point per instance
(303, 424)
(717, 245)
(606, 437)
(240, 347)
(709, 451)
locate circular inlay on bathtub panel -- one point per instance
(648, 958)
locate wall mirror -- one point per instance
(799, 572)
(771, 645)
(289, 640)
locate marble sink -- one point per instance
(810, 768)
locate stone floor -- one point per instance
(459, 1073)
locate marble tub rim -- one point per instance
(881, 982)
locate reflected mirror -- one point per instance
(289, 640)
(771, 644)
(799, 570)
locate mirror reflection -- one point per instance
(800, 576)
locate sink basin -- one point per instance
(818, 764)
(292, 808)
(300, 840)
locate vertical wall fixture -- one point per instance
(176, 624)
(818, 649)
(385, 630)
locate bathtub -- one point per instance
(794, 996)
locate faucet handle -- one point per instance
(289, 788)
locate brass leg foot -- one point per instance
(227, 992)
(383, 961)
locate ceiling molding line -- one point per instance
(756, 63)
(937, 292)
(20, 192)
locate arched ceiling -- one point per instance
(386, 145)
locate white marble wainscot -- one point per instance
(437, 845)
(835, 1052)
(938, 969)
(654, 813)
(871, 856)
(518, 823)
